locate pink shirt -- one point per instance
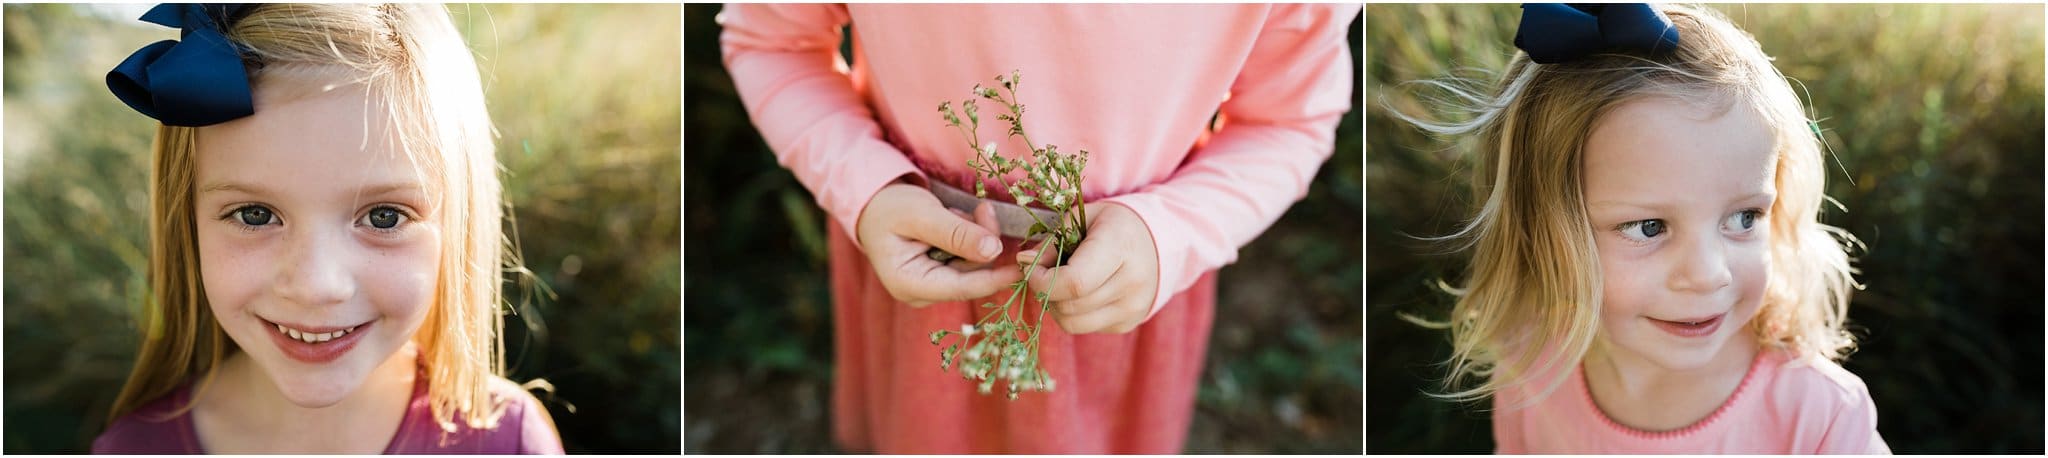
(1781, 407)
(1135, 85)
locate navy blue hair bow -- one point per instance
(196, 82)
(1555, 33)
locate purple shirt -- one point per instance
(524, 428)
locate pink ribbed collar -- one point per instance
(1586, 397)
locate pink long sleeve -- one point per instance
(1278, 127)
(1135, 84)
(784, 60)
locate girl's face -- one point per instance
(316, 244)
(1678, 194)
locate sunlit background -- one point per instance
(1282, 373)
(585, 100)
(1934, 114)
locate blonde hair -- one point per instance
(414, 65)
(1531, 298)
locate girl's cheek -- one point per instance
(406, 273)
(231, 267)
(1752, 269)
(1624, 279)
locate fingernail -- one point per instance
(990, 248)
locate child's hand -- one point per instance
(1109, 283)
(902, 221)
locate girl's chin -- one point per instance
(316, 389)
(314, 386)
(1684, 361)
(1651, 348)
(1685, 358)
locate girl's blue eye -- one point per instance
(1643, 231)
(254, 215)
(384, 218)
(1742, 221)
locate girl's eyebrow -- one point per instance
(1663, 205)
(1617, 203)
(390, 188)
(233, 187)
(373, 190)
(1763, 196)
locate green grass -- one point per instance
(586, 100)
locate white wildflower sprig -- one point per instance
(1003, 345)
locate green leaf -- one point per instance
(803, 221)
(1025, 200)
(1036, 228)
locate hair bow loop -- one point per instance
(1555, 33)
(198, 81)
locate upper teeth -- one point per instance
(309, 337)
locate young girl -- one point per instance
(325, 240)
(1648, 274)
(1170, 195)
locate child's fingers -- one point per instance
(1029, 256)
(1064, 283)
(1125, 328)
(1085, 272)
(1108, 294)
(985, 216)
(940, 227)
(1111, 292)
(1099, 320)
(933, 282)
(962, 263)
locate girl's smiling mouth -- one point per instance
(1691, 327)
(315, 344)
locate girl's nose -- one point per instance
(316, 268)
(1702, 265)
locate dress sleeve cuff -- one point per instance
(889, 168)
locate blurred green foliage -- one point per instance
(1933, 111)
(585, 99)
(1283, 360)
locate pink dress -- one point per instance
(1781, 407)
(1136, 85)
